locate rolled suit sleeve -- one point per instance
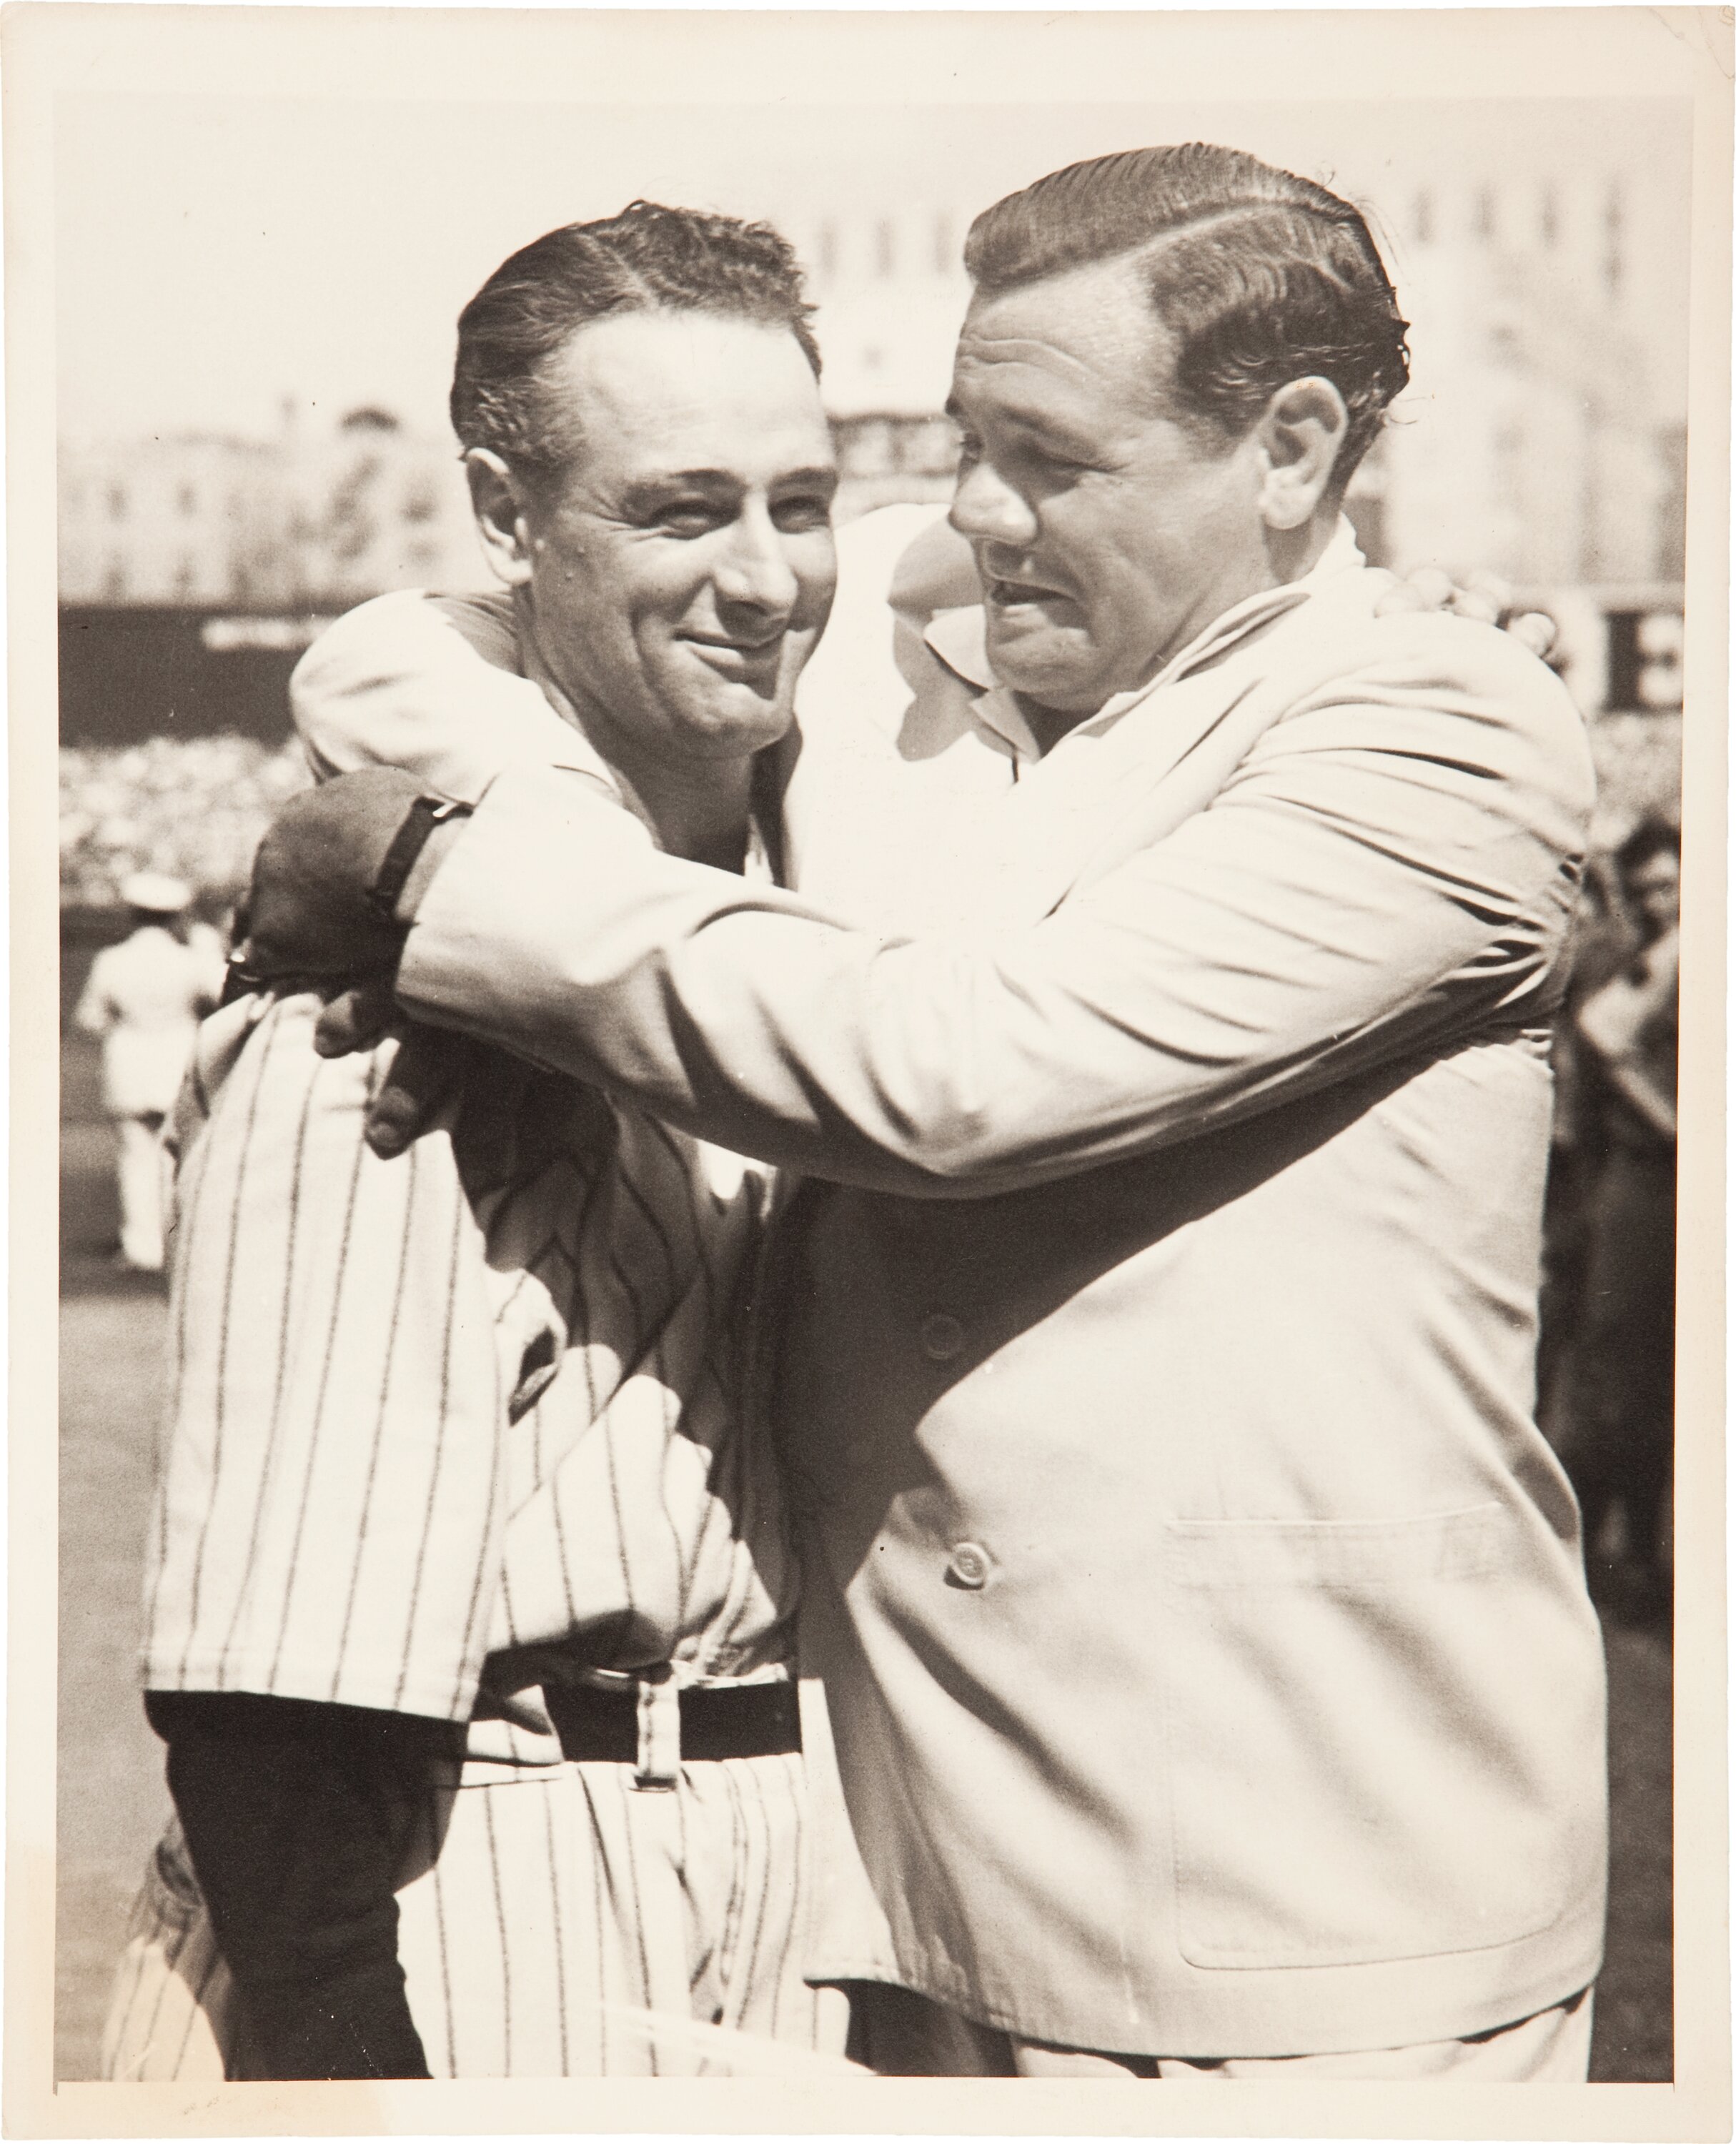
(1391, 869)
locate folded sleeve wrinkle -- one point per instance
(1343, 902)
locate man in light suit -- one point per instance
(1200, 1611)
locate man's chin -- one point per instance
(738, 719)
(1053, 677)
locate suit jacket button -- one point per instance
(970, 1566)
(942, 1337)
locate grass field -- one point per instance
(112, 1801)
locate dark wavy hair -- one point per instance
(1261, 277)
(647, 259)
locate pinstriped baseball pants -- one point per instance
(570, 1925)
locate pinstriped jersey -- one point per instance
(445, 1428)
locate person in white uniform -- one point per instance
(145, 998)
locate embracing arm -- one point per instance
(1393, 867)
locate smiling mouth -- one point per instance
(736, 654)
(1010, 595)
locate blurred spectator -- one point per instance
(145, 998)
(1604, 940)
(1617, 1401)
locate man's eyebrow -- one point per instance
(727, 479)
(1039, 422)
(661, 479)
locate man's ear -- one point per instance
(1300, 434)
(497, 499)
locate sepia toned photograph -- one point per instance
(889, 853)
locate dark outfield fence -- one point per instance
(130, 672)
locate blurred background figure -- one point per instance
(1617, 1394)
(144, 999)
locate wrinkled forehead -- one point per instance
(1089, 332)
(656, 389)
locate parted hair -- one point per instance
(647, 259)
(1260, 276)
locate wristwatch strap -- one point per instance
(408, 843)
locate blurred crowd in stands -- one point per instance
(190, 808)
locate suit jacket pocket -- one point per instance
(1385, 1737)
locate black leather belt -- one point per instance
(729, 1719)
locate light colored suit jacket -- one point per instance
(1200, 1609)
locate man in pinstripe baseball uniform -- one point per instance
(465, 1584)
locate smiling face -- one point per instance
(1108, 527)
(680, 570)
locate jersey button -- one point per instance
(942, 1337)
(970, 1566)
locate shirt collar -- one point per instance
(958, 638)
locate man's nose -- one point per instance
(986, 510)
(756, 571)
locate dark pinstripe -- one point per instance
(760, 1900)
(225, 1322)
(506, 1960)
(313, 1455)
(283, 1347)
(560, 1945)
(473, 1621)
(636, 1909)
(601, 1924)
(379, 1423)
(434, 1881)
(433, 1479)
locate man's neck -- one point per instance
(702, 815)
(699, 813)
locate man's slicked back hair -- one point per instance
(647, 259)
(1260, 276)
